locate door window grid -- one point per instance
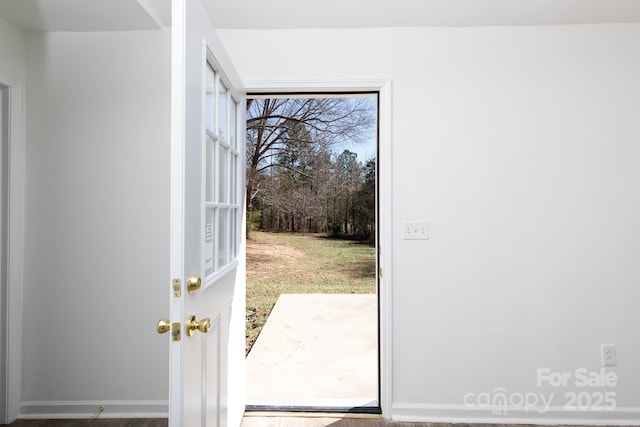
(221, 159)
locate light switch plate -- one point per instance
(415, 230)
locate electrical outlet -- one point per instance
(608, 353)
(415, 230)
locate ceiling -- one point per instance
(113, 15)
(401, 13)
(87, 15)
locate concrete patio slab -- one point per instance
(316, 350)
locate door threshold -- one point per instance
(322, 405)
(314, 413)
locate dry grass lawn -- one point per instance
(302, 264)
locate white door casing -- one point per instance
(13, 258)
(384, 219)
(206, 369)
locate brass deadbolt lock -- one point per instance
(193, 284)
(163, 326)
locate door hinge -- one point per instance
(176, 287)
(380, 272)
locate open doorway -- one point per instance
(312, 171)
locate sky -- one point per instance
(365, 150)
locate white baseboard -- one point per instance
(479, 415)
(90, 409)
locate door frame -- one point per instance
(385, 203)
(12, 305)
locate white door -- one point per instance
(207, 219)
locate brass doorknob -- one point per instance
(203, 326)
(163, 326)
(193, 284)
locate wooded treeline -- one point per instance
(297, 181)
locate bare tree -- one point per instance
(279, 129)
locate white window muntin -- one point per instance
(220, 213)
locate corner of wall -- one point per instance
(13, 76)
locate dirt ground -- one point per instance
(265, 254)
(267, 259)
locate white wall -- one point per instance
(96, 223)
(12, 50)
(521, 147)
(12, 78)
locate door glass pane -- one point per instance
(220, 174)
(222, 236)
(233, 233)
(223, 157)
(233, 111)
(210, 99)
(209, 172)
(222, 111)
(233, 197)
(208, 240)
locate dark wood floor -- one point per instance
(251, 421)
(140, 422)
(247, 422)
